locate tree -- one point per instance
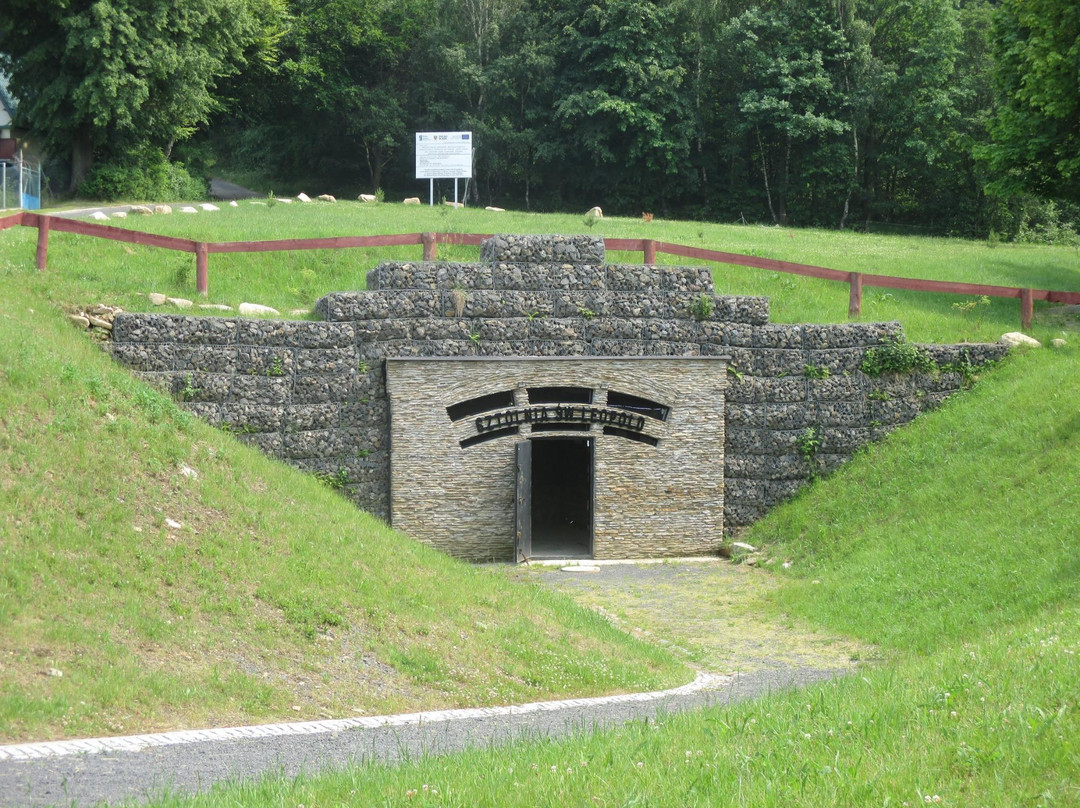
(620, 102)
(1036, 132)
(99, 77)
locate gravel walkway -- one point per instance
(134, 770)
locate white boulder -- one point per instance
(98, 215)
(180, 302)
(594, 213)
(412, 200)
(209, 206)
(326, 198)
(1016, 339)
(188, 209)
(303, 197)
(370, 198)
(162, 209)
(493, 209)
(257, 310)
(120, 214)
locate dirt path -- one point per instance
(714, 612)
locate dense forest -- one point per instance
(934, 116)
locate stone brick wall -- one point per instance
(313, 393)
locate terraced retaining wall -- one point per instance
(314, 394)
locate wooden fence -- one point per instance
(430, 241)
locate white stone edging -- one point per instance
(136, 743)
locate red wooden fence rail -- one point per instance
(647, 247)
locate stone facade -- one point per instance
(314, 393)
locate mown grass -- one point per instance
(993, 723)
(176, 578)
(87, 270)
(953, 545)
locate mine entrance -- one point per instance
(555, 498)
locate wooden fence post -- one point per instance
(854, 306)
(430, 247)
(1026, 309)
(649, 252)
(202, 269)
(42, 242)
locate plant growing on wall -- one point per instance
(703, 307)
(809, 444)
(897, 355)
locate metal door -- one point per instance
(523, 502)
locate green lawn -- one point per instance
(89, 270)
(177, 578)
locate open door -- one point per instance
(523, 502)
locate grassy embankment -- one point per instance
(953, 546)
(176, 578)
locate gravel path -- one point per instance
(668, 600)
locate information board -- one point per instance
(443, 155)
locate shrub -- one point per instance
(897, 356)
(144, 175)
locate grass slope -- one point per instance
(967, 521)
(177, 578)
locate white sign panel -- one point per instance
(443, 155)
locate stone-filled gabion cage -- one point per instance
(677, 416)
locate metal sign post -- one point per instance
(443, 155)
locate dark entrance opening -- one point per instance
(562, 497)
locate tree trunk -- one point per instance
(765, 174)
(82, 157)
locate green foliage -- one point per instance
(108, 76)
(703, 307)
(144, 176)
(816, 372)
(808, 445)
(1036, 130)
(897, 356)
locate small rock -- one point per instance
(215, 307)
(255, 309)
(233, 203)
(303, 197)
(256, 201)
(284, 200)
(141, 210)
(188, 209)
(1058, 343)
(79, 320)
(188, 471)
(299, 312)
(180, 302)
(120, 214)
(296, 707)
(494, 209)
(746, 548)
(326, 198)
(1015, 339)
(373, 198)
(209, 206)
(173, 524)
(55, 672)
(594, 213)
(99, 216)
(412, 200)
(454, 204)
(98, 322)
(158, 299)
(162, 209)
